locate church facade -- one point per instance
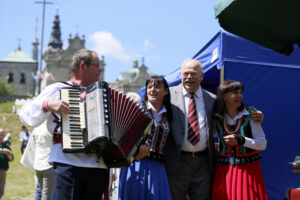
(18, 69)
(58, 61)
(134, 79)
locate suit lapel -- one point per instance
(179, 126)
(207, 102)
(178, 98)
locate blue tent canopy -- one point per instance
(272, 83)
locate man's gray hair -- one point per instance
(197, 62)
(81, 55)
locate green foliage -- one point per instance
(6, 88)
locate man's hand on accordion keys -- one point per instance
(144, 151)
(58, 106)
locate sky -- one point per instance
(164, 32)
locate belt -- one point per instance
(195, 154)
(157, 157)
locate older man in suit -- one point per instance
(189, 149)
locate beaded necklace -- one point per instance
(236, 129)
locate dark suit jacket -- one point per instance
(173, 144)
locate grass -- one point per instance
(6, 107)
(20, 179)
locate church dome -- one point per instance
(18, 56)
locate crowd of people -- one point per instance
(179, 160)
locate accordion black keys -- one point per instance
(103, 121)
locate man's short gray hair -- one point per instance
(196, 62)
(81, 55)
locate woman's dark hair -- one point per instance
(160, 80)
(225, 87)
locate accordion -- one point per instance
(103, 121)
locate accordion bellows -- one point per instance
(103, 121)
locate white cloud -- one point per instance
(106, 44)
(148, 45)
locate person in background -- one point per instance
(36, 156)
(5, 156)
(237, 173)
(146, 178)
(7, 139)
(24, 137)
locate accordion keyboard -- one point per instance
(74, 123)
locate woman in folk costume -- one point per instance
(238, 174)
(146, 178)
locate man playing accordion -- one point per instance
(77, 175)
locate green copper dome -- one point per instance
(18, 56)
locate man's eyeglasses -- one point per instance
(96, 65)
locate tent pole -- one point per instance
(222, 74)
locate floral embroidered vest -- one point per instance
(232, 155)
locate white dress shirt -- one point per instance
(32, 114)
(258, 140)
(156, 115)
(202, 121)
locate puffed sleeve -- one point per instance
(258, 142)
(32, 113)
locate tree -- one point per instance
(6, 88)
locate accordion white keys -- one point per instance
(103, 121)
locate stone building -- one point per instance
(134, 79)
(58, 61)
(18, 69)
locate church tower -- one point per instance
(58, 61)
(55, 41)
(35, 49)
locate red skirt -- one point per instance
(239, 182)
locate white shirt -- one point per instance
(42, 139)
(23, 136)
(201, 114)
(7, 137)
(32, 114)
(36, 155)
(156, 115)
(258, 140)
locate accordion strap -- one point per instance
(57, 121)
(70, 84)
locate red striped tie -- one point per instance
(193, 126)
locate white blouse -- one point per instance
(258, 140)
